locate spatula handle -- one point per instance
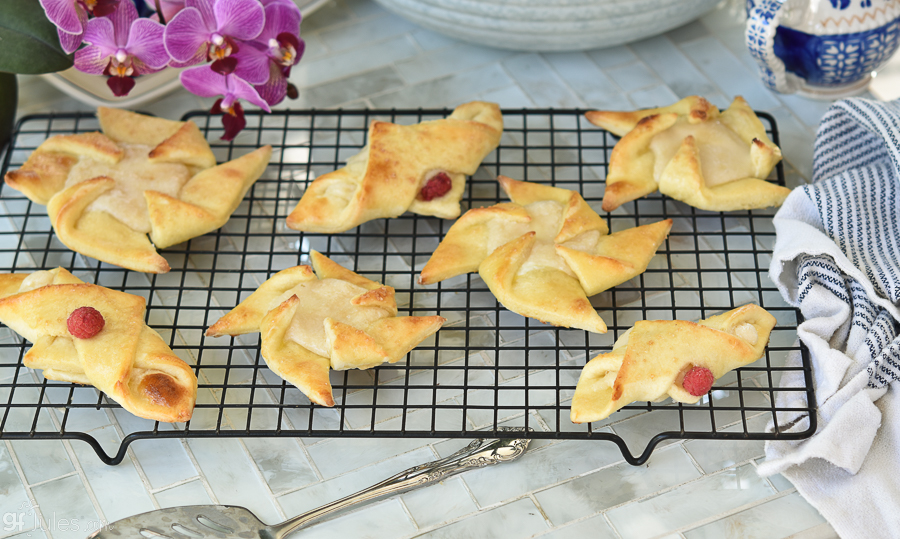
(479, 453)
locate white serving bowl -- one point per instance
(549, 25)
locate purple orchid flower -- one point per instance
(122, 46)
(71, 16)
(210, 29)
(266, 61)
(205, 82)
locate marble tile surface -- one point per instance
(360, 56)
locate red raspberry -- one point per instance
(85, 322)
(698, 381)
(437, 186)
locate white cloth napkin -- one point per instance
(837, 258)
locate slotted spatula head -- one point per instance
(193, 521)
(199, 521)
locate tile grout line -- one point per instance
(323, 479)
(84, 481)
(138, 467)
(731, 512)
(259, 475)
(200, 474)
(174, 484)
(35, 507)
(76, 464)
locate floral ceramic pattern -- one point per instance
(825, 57)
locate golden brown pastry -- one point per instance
(105, 192)
(89, 334)
(544, 253)
(421, 168)
(670, 358)
(692, 153)
(338, 320)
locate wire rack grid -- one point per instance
(486, 368)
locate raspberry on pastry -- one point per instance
(92, 335)
(690, 151)
(420, 168)
(544, 253)
(326, 317)
(670, 358)
(106, 192)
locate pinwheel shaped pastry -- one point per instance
(89, 334)
(106, 191)
(663, 358)
(338, 320)
(543, 254)
(421, 168)
(692, 153)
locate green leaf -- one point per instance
(28, 40)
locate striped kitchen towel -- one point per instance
(837, 258)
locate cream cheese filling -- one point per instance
(321, 299)
(133, 175)
(747, 332)
(546, 220)
(724, 157)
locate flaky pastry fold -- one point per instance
(649, 361)
(106, 191)
(127, 360)
(692, 152)
(544, 253)
(326, 317)
(388, 175)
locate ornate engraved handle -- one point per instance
(479, 453)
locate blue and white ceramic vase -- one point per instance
(825, 49)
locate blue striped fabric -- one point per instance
(856, 191)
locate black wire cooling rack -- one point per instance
(486, 368)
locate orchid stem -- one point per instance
(159, 12)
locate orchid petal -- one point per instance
(140, 68)
(103, 8)
(288, 3)
(241, 19)
(91, 59)
(233, 123)
(186, 37)
(241, 89)
(120, 86)
(194, 60)
(64, 14)
(100, 32)
(203, 81)
(274, 90)
(280, 18)
(122, 18)
(171, 7)
(69, 42)
(145, 41)
(205, 7)
(253, 63)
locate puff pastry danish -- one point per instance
(421, 168)
(543, 254)
(653, 359)
(690, 151)
(105, 192)
(313, 319)
(126, 359)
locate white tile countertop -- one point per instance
(360, 56)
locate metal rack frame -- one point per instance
(486, 368)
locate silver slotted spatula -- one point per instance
(223, 521)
